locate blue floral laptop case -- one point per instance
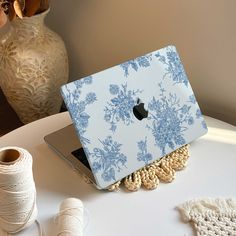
(134, 113)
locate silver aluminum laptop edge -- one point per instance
(64, 142)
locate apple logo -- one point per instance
(139, 110)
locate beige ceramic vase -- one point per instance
(33, 66)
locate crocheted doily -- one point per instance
(211, 217)
(149, 177)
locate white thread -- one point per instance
(17, 190)
(70, 218)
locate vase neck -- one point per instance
(34, 23)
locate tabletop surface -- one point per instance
(210, 172)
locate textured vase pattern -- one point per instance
(33, 66)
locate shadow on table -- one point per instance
(221, 125)
(190, 225)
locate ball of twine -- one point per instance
(70, 218)
(17, 190)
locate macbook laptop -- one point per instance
(128, 116)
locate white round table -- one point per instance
(210, 172)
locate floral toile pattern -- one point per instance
(173, 66)
(169, 120)
(120, 107)
(109, 159)
(198, 116)
(198, 113)
(192, 99)
(33, 67)
(135, 64)
(78, 106)
(172, 121)
(143, 154)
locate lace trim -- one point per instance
(211, 216)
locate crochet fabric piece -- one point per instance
(151, 175)
(161, 170)
(211, 216)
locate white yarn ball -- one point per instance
(17, 190)
(70, 218)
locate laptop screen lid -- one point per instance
(134, 113)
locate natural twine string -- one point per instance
(70, 220)
(17, 190)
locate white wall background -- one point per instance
(101, 33)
